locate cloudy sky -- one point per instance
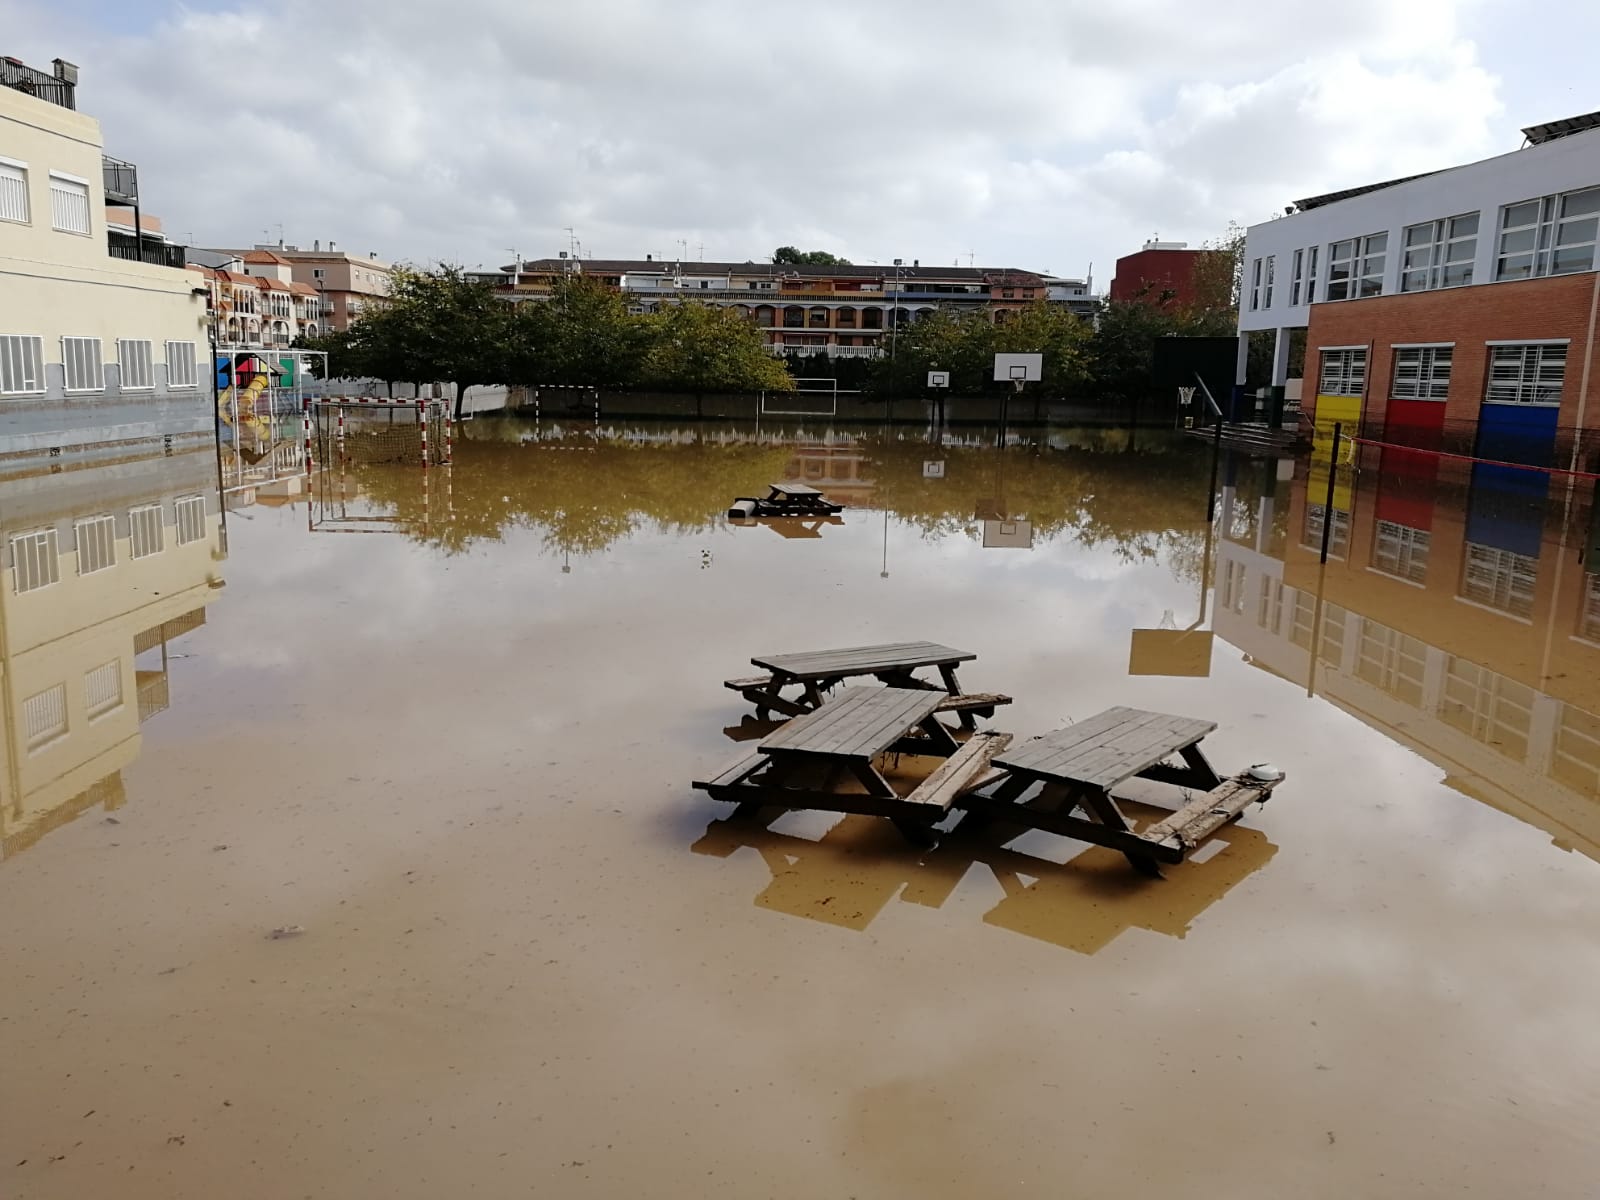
(1049, 134)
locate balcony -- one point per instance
(60, 88)
(830, 351)
(150, 250)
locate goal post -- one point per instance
(355, 431)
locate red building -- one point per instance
(1161, 273)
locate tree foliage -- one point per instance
(700, 348)
(791, 256)
(964, 344)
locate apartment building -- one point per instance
(840, 311)
(1451, 308)
(1160, 273)
(101, 567)
(101, 329)
(1460, 620)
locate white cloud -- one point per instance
(1028, 131)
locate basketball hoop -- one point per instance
(1186, 396)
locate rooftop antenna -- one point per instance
(971, 255)
(700, 252)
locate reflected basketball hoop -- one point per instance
(938, 379)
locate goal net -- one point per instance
(354, 433)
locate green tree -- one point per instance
(445, 327)
(818, 258)
(1056, 333)
(583, 334)
(700, 348)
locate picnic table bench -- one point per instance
(895, 664)
(785, 500)
(1077, 767)
(813, 761)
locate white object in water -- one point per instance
(1265, 773)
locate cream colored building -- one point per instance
(100, 568)
(96, 346)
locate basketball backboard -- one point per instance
(938, 379)
(933, 469)
(1018, 368)
(1008, 535)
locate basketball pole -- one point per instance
(1216, 449)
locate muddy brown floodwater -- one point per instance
(441, 741)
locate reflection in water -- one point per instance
(1458, 612)
(848, 876)
(102, 567)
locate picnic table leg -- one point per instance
(1205, 775)
(1100, 803)
(943, 744)
(947, 672)
(986, 808)
(770, 699)
(813, 694)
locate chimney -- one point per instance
(372, 254)
(316, 246)
(333, 247)
(916, 262)
(649, 258)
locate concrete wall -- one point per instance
(55, 285)
(1483, 187)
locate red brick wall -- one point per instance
(1162, 270)
(1533, 309)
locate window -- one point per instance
(97, 544)
(35, 562)
(1269, 609)
(318, 273)
(1421, 372)
(1553, 235)
(44, 717)
(138, 369)
(1266, 291)
(1338, 537)
(69, 204)
(1255, 284)
(1589, 618)
(1311, 275)
(1401, 551)
(1233, 576)
(191, 519)
(1355, 267)
(85, 371)
(13, 191)
(1500, 580)
(1526, 374)
(1296, 273)
(180, 365)
(146, 523)
(1335, 622)
(1305, 616)
(1576, 761)
(21, 365)
(1344, 372)
(1392, 661)
(102, 689)
(1488, 707)
(1439, 254)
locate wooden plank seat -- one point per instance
(981, 704)
(895, 664)
(826, 759)
(1076, 768)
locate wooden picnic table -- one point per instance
(895, 664)
(1077, 767)
(811, 761)
(785, 500)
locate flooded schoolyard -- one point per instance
(437, 733)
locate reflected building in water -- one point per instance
(101, 569)
(1459, 615)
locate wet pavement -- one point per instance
(440, 731)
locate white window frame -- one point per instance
(95, 539)
(191, 514)
(80, 353)
(1311, 274)
(1271, 273)
(1529, 373)
(1363, 260)
(1296, 275)
(1432, 250)
(1547, 227)
(21, 365)
(15, 205)
(1487, 706)
(145, 537)
(1392, 661)
(1401, 551)
(1338, 539)
(70, 202)
(35, 560)
(44, 718)
(182, 371)
(136, 361)
(1255, 284)
(1501, 581)
(1343, 371)
(102, 690)
(1421, 372)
